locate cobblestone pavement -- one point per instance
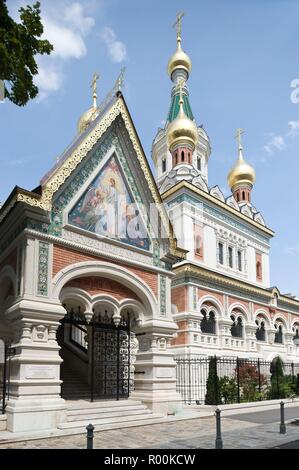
(188, 434)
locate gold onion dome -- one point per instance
(90, 115)
(242, 173)
(86, 119)
(179, 60)
(182, 130)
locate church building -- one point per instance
(108, 273)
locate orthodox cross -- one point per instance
(178, 23)
(93, 85)
(239, 136)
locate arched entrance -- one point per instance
(97, 339)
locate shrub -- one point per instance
(213, 389)
(228, 389)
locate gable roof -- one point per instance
(42, 197)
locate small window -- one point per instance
(238, 197)
(163, 165)
(258, 270)
(176, 158)
(243, 195)
(230, 256)
(239, 260)
(183, 156)
(198, 245)
(220, 249)
(199, 163)
(278, 335)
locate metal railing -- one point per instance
(224, 380)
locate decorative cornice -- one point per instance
(223, 280)
(217, 202)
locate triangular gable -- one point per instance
(107, 208)
(69, 164)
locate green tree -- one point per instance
(213, 389)
(277, 380)
(19, 44)
(228, 389)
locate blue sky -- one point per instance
(245, 57)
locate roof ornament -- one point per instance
(178, 26)
(120, 80)
(93, 85)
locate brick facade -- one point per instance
(63, 257)
(97, 285)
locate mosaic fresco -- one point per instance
(107, 208)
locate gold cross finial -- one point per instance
(239, 136)
(178, 24)
(93, 85)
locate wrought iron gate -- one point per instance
(6, 353)
(110, 355)
(110, 375)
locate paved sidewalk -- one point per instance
(188, 434)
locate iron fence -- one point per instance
(223, 380)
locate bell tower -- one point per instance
(181, 149)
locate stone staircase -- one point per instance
(73, 386)
(104, 415)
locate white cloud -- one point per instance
(116, 49)
(68, 44)
(66, 28)
(292, 250)
(293, 128)
(276, 142)
(280, 142)
(48, 80)
(74, 15)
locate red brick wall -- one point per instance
(232, 300)
(63, 256)
(182, 336)
(179, 298)
(97, 285)
(203, 293)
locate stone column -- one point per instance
(250, 337)
(155, 368)
(35, 402)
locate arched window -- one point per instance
(208, 322)
(198, 245)
(163, 165)
(189, 157)
(183, 156)
(295, 331)
(237, 326)
(176, 158)
(238, 197)
(260, 332)
(230, 256)
(239, 260)
(258, 269)
(199, 163)
(279, 334)
(243, 195)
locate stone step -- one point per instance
(107, 415)
(100, 424)
(104, 409)
(84, 404)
